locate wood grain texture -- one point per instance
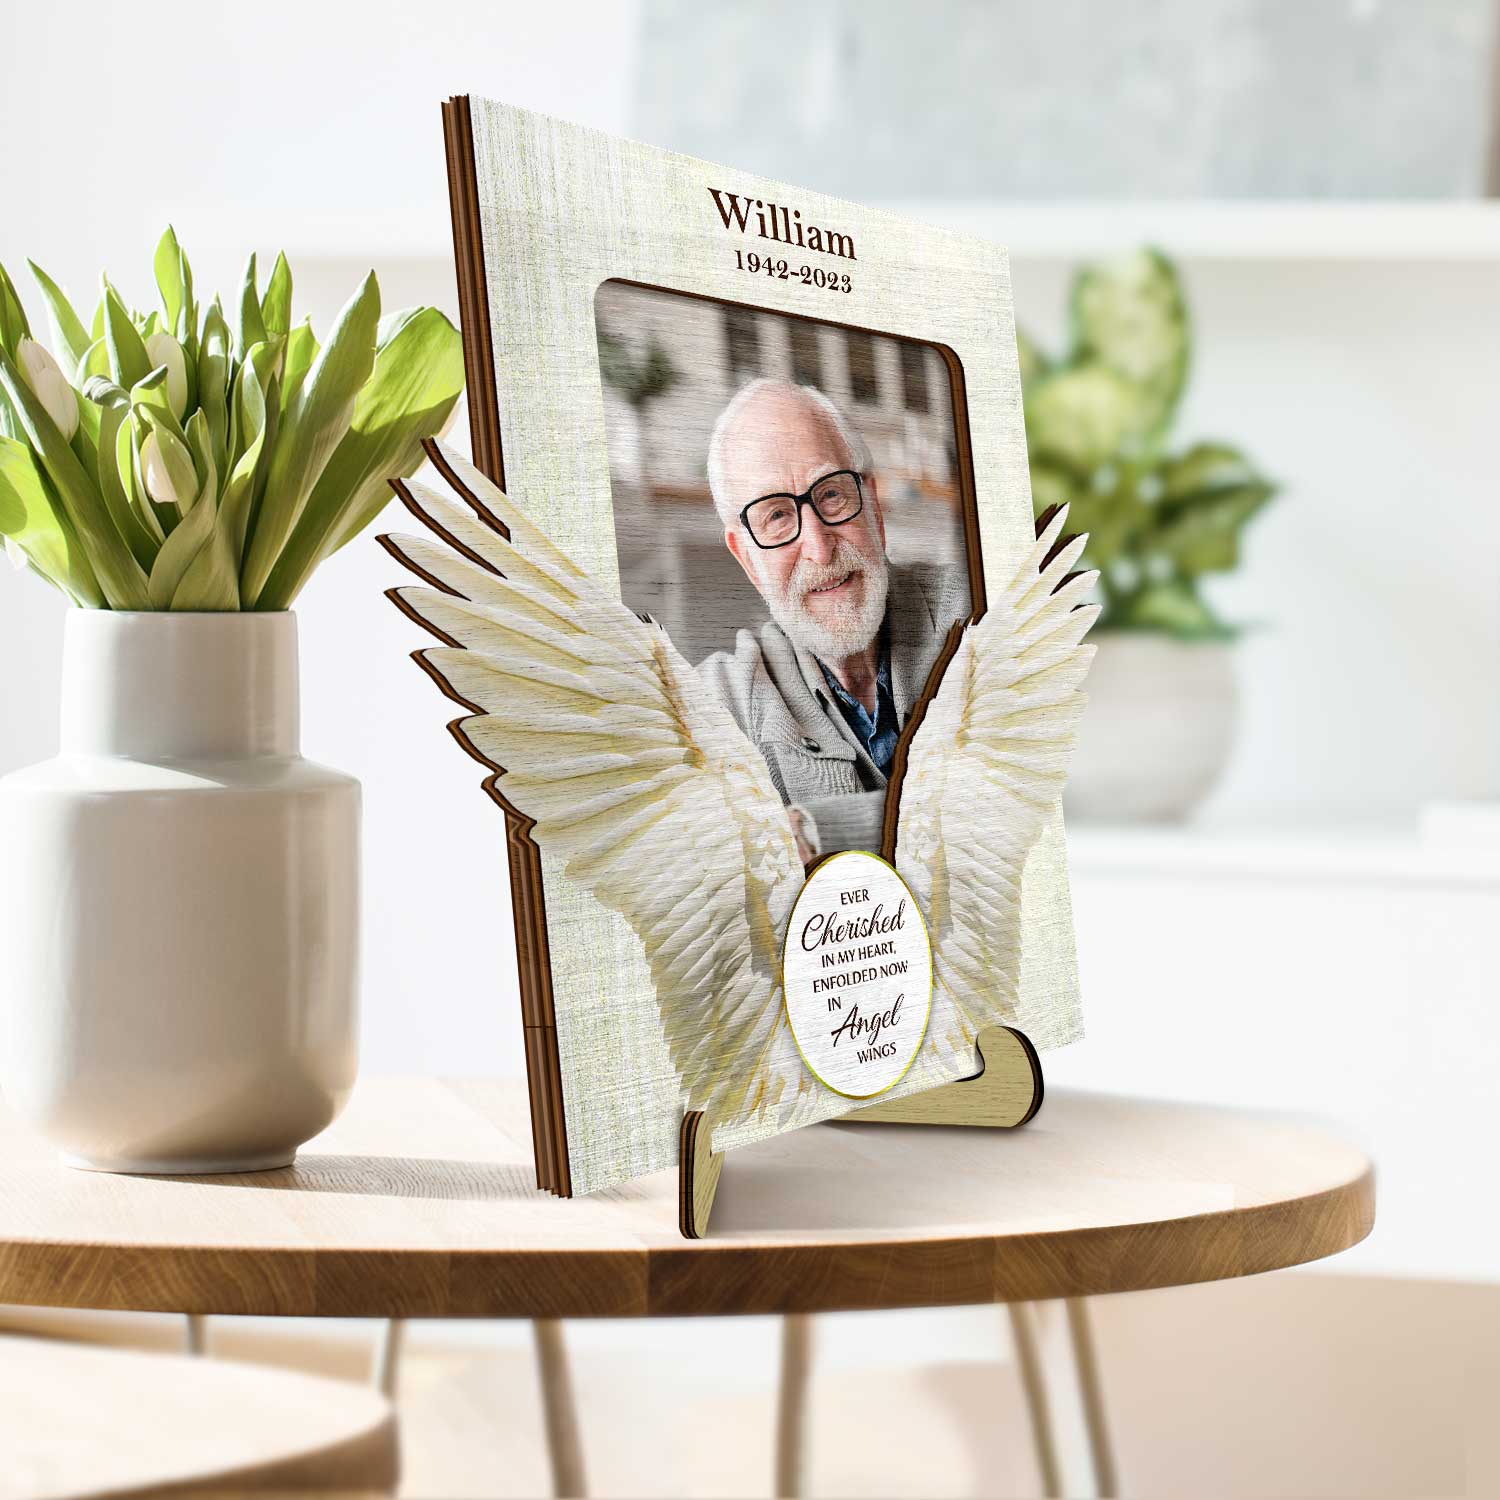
(92, 1422)
(420, 1202)
(699, 1168)
(1006, 1092)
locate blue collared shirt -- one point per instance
(877, 733)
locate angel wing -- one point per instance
(984, 773)
(637, 778)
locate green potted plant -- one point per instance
(1099, 419)
(180, 885)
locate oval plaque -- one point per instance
(856, 972)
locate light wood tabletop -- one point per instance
(419, 1202)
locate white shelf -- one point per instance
(1467, 230)
(1451, 230)
(1356, 856)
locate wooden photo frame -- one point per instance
(544, 215)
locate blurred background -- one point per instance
(1284, 832)
(670, 366)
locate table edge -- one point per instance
(690, 1278)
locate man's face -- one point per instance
(827, 589)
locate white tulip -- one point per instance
(157, 477)
(163, 349)
(49, 385)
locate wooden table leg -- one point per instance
(1091, 1394)
(791, 1405)
(1038, 1408)
(1059, 1370)
(563, 1449)
(387, 1371)
(195, 1334)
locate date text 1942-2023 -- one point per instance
(773, 221)
(780, 270)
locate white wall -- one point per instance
(298, 122)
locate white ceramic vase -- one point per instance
(179, 894)
(1157, 731)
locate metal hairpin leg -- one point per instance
(195, 1333)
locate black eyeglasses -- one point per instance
(776, 520)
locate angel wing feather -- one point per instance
(636, 778)
(984, 774)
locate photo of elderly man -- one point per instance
(824, 687)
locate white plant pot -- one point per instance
(1157, 731)
(180, 896)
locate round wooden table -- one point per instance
(419, 1202)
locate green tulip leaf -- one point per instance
(70, 340)
(276, 305)
(128, 475)
(29, 517)
(417, 380)
(174, 280)
(128, 360)
(314, 423)
(252, 329)
(167, 264)
(13, 324)
(119, 575)
(149, 396)
(301, 351)
(239, 490)
(94, 361)
(200, 445)
(179, 550)
(214, 373)
(113, 406)
(211, 580)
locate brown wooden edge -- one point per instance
(543, 1068)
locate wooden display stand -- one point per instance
(1004, 1094)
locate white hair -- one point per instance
(718, 480)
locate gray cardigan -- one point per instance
(777, 694)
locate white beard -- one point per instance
(853, 626)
